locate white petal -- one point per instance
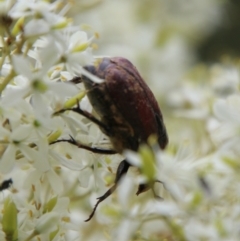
(4, 133)
(14, 117)
(85, 104)
(62, 204)
(66, 75)
(47, 223)
(32, 178)
(74, 123)
(40, 161)
(55, 181)
(6, 68)
(63, 90)
(84, 177)
(8, 159)
(53, 18)
(228, 110)
(21, 132)
(15, 91)
(133, 158)
(42, 112)
(124, 191)
(165, 208)
(126, 229)
(21, 81)
(22, 66)
(48, 56)
(220, 110)
(77, 39)
(72, 165)
(43, 145)
(91, 76)
(80, 59)
(36, 27)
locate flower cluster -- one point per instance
(193, 183)
(40, 50)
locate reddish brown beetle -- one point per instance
(128, 112)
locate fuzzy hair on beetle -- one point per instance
(128, 112)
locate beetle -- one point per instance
(128, 112)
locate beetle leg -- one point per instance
(85, 114)
(144, 187)
(100, 199)
(156, 196)
(76, 80)
(80, 145)
(122, 170)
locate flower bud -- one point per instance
(9, 221)
(75, 99)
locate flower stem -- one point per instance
(6, 80)
(31, 236)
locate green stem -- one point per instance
(31, 236)
(6, 81)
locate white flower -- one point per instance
(175, 172)
(37, 85)
(73, 47)
(224, 79)
(227, 128)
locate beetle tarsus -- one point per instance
(121, 171)
(157, 196)
(145, 187)
(100, 199)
